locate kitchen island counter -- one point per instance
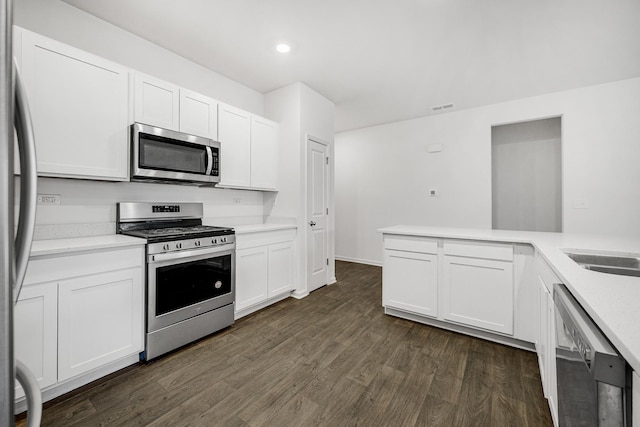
(612, 301)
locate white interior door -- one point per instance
(317, 213)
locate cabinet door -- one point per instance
(198, 114)
(79, 106)
(234, 133)
(36, 332)
(102, 321)
(478, 293)
(251, 277)
(542, 338)
(264, 153)
(551, 359)
(157, 103)
(410, 282)
(280, 268)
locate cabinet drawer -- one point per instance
(502, 252)
(546, 273)
(411, 244)
(264, 238)
(56, 267)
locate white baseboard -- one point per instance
(300, 294)
(359, 261)
(248, 310)
(61, 388)
(478, 333)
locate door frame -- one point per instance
(329, 233)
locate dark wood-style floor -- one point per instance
(331, 359)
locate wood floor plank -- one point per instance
(331, 359)
(506, 411)
(436, 412)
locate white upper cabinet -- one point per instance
(249, 150)
(79, 107)
(234, 133)
(163, 104)
(198, 114)
(157, 103)
(264, 153)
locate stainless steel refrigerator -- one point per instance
(15, 246)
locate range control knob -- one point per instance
(214, 241)
(165, 247)
(196, 243)
(178, 245)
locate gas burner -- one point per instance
(173, 233)
(162, 222)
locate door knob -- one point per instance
(312, 223)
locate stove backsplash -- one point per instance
(88, 208)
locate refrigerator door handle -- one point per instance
(32, 390)
(28, 183)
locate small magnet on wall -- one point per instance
(434, 148)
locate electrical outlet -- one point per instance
(237, 201)
(580, 204)
(48, 199)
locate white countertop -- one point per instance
(612, 301)
(256, 228)
(79, 244)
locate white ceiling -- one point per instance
(387, 60)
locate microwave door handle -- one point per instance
(209, 161)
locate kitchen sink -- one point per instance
(607, 263)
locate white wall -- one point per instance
(526, 176)
(65, 23)
(301, 111)
(383, 173)
(89, 207)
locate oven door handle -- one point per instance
(190, 253)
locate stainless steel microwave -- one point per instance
(164, 155)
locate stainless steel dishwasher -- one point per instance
(594, 381)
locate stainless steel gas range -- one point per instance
(190, 290)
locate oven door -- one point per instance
(185, 284)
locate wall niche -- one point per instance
(526, 172)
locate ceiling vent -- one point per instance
(442, 107)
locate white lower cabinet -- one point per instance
(79, 313)
(251, 277)
(280, 267)
(410, 282)
(35, 333)
(546, 337)
(264, 268)
(101, 321)
(478, 292)
(457, 282)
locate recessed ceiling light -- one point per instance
(283, 48)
